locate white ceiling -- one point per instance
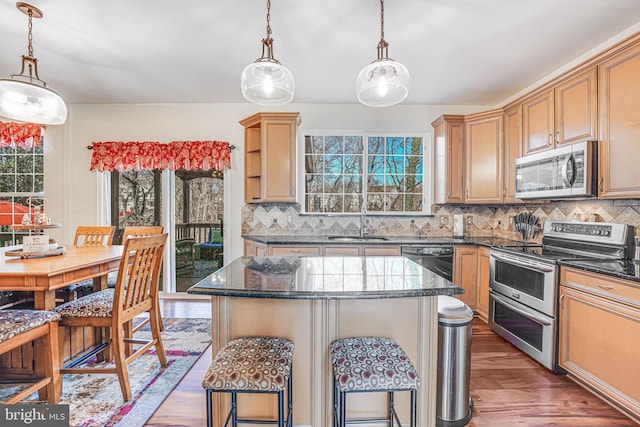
(466, 52)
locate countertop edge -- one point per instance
(450, 291)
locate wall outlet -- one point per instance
(469, 219)
(444, 219)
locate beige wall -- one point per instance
(74, 193)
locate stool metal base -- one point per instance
(340, 408)
(232, 416)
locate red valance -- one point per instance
(23, 135)
(189, 155)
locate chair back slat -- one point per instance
(99, 235)
(138, 276)
(141, 231)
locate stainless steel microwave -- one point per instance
(568, 171)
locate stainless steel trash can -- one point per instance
(454, 406)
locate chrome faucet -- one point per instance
(363, 222)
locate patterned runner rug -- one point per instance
(96, 399)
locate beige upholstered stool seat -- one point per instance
(251, 364)
(16, 322)
(372, 363)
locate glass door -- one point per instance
(199, 209)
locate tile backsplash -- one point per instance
(481, 220)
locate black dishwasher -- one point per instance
(436, 258)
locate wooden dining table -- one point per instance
(42, 276)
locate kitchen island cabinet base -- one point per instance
(312, 324)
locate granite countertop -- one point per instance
(622, 269)
(324, 278)
(390, 240)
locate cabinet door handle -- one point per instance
(296, 251)
(560, 301)
(504, 193)
(550, 139)
(601, 184)
(603, 286)
(557, 137)
(449, 194)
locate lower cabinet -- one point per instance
(252, 248)
(465, 259)
(294, 250)
(598, 338)
(483, 275)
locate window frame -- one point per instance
(427, 169)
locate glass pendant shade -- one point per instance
(267, 82)
(383, 83)
(29, 102)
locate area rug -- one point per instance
(96, 399)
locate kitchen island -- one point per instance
(315, 300)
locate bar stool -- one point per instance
(371, 364)
(251, 365)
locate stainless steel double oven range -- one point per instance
(523, 297)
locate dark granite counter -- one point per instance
(622, 269)
(324, 278)
(390, 240)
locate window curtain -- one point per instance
(22, 135)
(189, 155)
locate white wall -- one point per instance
(74, 194)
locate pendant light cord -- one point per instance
(383, 46)
(30, 35)
(268, 19)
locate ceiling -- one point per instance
(465, 52)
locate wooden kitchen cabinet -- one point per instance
(618, 146)
(512, 150)
(252, 248)
(483, 154)
(563, 114)
(361, 250)
(448, 131)
(283, 250)
(483, 276)
(599, 328)
(269, 157)
(464, 272)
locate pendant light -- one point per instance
(24, 96)
(384, 82)
(266, 81)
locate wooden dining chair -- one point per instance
(86, 235)
(19, 327)
(136, 292)
(89, 235)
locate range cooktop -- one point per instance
(543, 253)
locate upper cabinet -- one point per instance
(619, 148)
(483, 148)
(563, 114)
(269, 157)
(512, 150)
(449, 164)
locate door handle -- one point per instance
(550, 139)
(601, 184)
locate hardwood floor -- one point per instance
(508, 388)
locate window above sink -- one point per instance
(390, 173)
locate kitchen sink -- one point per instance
(358, 239)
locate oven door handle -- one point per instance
(526, 313)
(538, 267)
